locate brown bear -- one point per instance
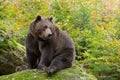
(47, 47)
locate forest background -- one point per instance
(94, 25)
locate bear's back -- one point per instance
(66, 40)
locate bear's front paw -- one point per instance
(41, 68)
(50, 70)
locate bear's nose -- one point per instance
(49, 35)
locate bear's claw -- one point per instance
(50, 70)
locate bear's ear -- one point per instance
(50, 18)
(38, 18)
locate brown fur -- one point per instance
(48, 48)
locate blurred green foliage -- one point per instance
(93, 25)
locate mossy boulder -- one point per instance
(74, 73)
(11, 53)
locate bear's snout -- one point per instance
(49, 35)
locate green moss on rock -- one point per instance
(75, 73)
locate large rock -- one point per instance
(11, 53)
(74, 73)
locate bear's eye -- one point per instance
(39, 32)
(44, 27)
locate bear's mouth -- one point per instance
(49, 36)
(46, 38)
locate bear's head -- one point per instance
(42, 28)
